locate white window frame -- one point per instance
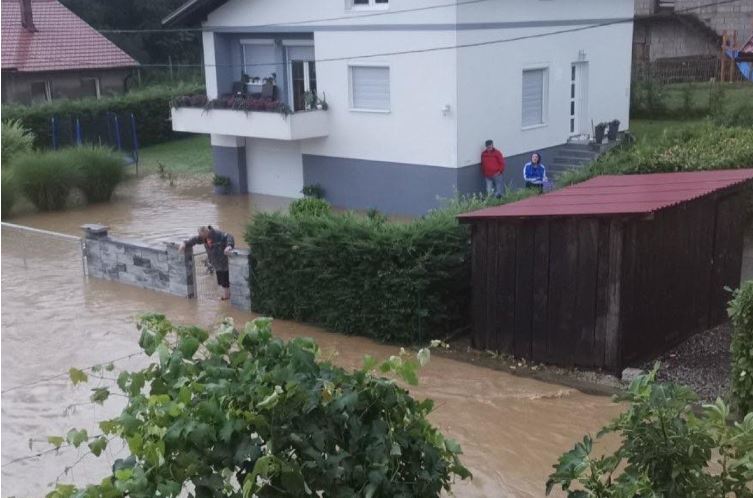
(97, 89)
(353, 108)
(544, 97)
(47, 89)
(372, 5)
(269, 42)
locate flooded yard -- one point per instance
(512, 429)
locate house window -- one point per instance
(40, 91)
(369, 4)
(534, 97)
(370, 88)
(90, 87)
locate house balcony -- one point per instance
(275, 125)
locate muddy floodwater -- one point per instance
(511, 429)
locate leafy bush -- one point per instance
(666, 451)
(218, 180)
(100, 170)
(8, 193)
(46, 178)
(15, 140)
(359, 275)
(311, 206)
(314, 190)
(703, 147)
(245, 413)
(741, 313)
(150, 106)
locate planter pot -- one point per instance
(599, 134)
(222, 189)
(612, 132)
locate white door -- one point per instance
(579, 124)
(301, 75)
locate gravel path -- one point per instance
(702, 362)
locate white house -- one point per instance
(413, 88)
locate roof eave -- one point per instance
(191, 11)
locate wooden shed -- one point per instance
(610, 271)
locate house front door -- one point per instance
(578, 123)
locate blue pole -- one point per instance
(135, 139)
(54, 133)
(117, 131)
(78, 131)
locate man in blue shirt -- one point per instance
(534, 173)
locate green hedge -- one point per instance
(741, 313)
(150, 106)
(395, 282)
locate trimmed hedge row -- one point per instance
(150, 106)
(395, 282)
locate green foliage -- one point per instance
(398, 282)
(46, 178)
(666, 450)
(8, 193)
(717, 101)
(310, 206)
(100, 170)
(246, 414)
(150, 106)
(314, 190)
(15, 140)
(701, 147)
(741, 313)
(687, 100)
(220, 181)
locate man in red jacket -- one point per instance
(492, 166)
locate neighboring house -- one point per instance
(403, 130)
(50, 53)
(676, 33)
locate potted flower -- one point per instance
(221, 185)
(599, 132)
(309, 98)
(614, 127)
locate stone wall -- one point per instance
(163, 269)
(240, 289)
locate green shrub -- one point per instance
(665, 450)
(311, 206)
(46, 178)
(151, 107)
(398, 282)
(741, 313)
(100, 170)
(247, 414)
(8, 193)
(15, 140)
(314, 190)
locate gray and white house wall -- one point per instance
(406, 124)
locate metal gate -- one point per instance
(205, 287)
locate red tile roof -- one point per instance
(618, 195)
(62, 42)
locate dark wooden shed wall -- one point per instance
(602, 292)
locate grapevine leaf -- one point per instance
(77, 376)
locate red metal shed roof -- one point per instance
(618, 194)
(62, 42)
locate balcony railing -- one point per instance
(247, 117)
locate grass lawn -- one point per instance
(651, 130)
(734, 94)
(191, 155)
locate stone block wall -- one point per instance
(163, 269)
(240, 290)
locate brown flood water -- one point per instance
(511, 429)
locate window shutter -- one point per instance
(371, 87)
(533, 97)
